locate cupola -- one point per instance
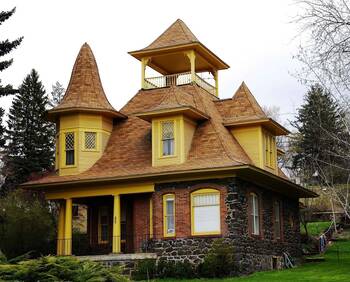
(181, 59)
(84, 118)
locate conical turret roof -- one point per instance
(85, 92)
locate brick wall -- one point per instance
(182, 192)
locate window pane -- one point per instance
(170, 225)
(254, 214)
(169, 217)
(206, 219)
(90, 140)
(205, 200)
(70, 157)
(167, 130)
(168, 147)
(170, 207)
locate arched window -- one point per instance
(254, 214)
(169, 215)
(205, 212)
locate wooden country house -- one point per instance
(176, 167)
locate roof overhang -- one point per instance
(249, 173)
(52, 114)
(206, 60)
(187, 111)
(270, 124)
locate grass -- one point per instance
(315, 228)
(336, 267)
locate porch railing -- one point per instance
(177, 80)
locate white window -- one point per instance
(90, 140)
(167, 138)
(206, 212)
(169, 214)
(277, 219)
(69, 148)
(254, 214)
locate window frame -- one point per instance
(205, 191)
(166, 197)
(269, 150)
(74, 148)
(280, 221)
(96, 149)
(161, 122)
(251, 210)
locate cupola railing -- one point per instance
(177, 80)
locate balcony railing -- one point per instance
(176, 80)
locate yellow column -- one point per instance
(144, 62)
(216, 77)
(192, 57)
(68, 228)
(116, 224)
(60, 231)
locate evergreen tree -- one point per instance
(320, 143)
(6, 46)
(30, 137)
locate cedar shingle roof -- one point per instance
(129, 150)
(85, 91)
(241, 107)
(178, 33)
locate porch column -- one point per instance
(144, 62)
(68, 228)
(60, 227)
(192, 57)
(116, 224)
(216, 77)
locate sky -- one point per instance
(256, 38)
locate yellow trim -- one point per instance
(204, 191)
(98, 190)
(151, 218)
(116, 248)
(165, 226)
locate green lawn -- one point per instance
(329, 270)
(315, 228)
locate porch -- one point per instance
(106, 224)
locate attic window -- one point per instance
(168, 138)
(69, 146)
(90, 140)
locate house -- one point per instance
(176, 167)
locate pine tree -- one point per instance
(319, 142)
(30, 137)
(6, 46)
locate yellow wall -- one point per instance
(252, 139)
(183, 133)
(79, 124)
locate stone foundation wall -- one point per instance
(251, 253)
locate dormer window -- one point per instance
(270, 144)
(168, 139)
(69, 148)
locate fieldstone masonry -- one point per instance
(251, 253)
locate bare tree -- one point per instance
(325, 56)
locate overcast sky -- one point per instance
(254, 37)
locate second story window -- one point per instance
(69, 148)
(269, 141)
(168, 138)
(90, 140)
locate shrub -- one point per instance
(145, 269)
(26, 224)
(184, 270)
(219, 261)
(59, 269)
